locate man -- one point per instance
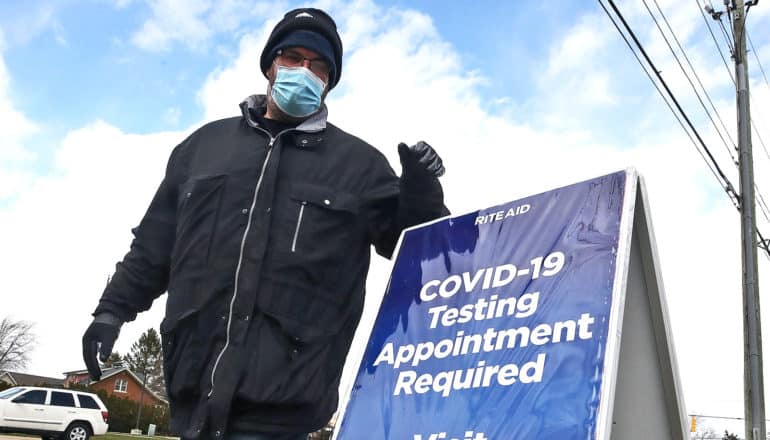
(261, 233)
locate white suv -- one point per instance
(52, 413)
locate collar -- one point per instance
(258, 103)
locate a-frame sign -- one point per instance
(542, 318)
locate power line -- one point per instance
(719, 174)
(761, 200)
(730, 42)
(716, 43)
(717, 17)
(743, 31)
(673, 112)
(751, 43)
(762, 204)
(711, 161)
(694, 89)
(719, 417)
(761, 141)
(727, 36)
(763, 243)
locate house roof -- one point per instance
(30, 379)
(112, 371)
(106, 372)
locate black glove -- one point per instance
(420, 160)
(99, 336)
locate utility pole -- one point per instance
(754, 399)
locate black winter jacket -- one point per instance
(263, 245)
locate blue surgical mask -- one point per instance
(297, 91)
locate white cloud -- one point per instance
(193, 23)
(30, 20)
(63, 233)
(225, 88)
(174, 20)
(581, 43)
(578, 68)
(15, 128)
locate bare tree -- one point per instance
(706, 434)
(16, 343)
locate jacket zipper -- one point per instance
(296, 231)
(243, 245)
(240, 255)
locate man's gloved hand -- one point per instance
(420, 161)
(99, 337)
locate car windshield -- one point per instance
(10, 392)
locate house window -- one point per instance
(121, 385)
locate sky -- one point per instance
(517, 97)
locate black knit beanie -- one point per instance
(307, 19)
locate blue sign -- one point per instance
(495, 324)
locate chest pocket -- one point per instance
(198, 209)
(308, 273)
(324, 219)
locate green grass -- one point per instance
(119, 436)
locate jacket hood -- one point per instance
(258, 103)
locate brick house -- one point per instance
(116, 381)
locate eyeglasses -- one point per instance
(290, 58)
